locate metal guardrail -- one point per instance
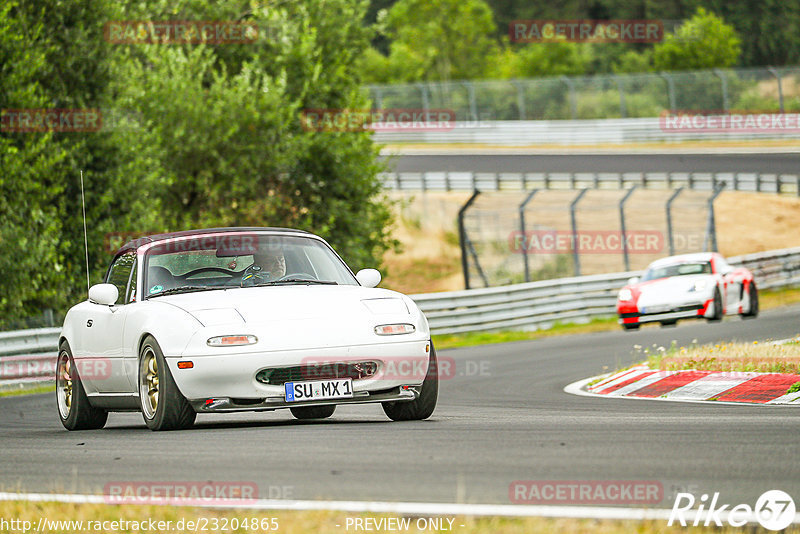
(508, 181)
(582, 132)
(30, 355)
(540, 304)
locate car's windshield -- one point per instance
(677, 269)
(246, 259)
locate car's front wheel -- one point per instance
(630, 326)
(313, 412)
(74, 409)
(422, 407)
(752, 297)
(717, 307)
(163, 405)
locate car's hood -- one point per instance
(257, 305)
(669, 288)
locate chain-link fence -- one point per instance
(514, 237)
(602, 97)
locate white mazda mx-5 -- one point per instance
(234, 319)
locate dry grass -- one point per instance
(736, 357)
(315, 521)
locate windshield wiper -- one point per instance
(184, 289)
(289, 281)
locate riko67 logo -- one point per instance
(774, 510)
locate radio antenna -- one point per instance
(85, 239)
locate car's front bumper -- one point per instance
(227, 404)
(232, 375)
(664, 313)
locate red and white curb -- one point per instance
(724, 387)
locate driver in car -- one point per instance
(267, 266)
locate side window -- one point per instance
(120, 273)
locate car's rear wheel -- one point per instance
(422, 407)
(717, 307)
(313, 412)
(752, 294)
(74, 409)
(629, 326)
(163, 405)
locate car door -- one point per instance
(100, 363)
(732, 284)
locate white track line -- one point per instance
(400, 508)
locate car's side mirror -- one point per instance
(633, 280)
(368, 277)
(105, 294)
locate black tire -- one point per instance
(74, 409)
(629, 327)
(752, 292)
(717, 317)
(671, 322)
(423, 406)
(162, 404)
(313, 412)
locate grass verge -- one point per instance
(27, 390)
(767, 300)
(733, 357)
(98, 518)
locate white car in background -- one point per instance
(687, 286)
(235, 319)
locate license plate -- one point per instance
(319, 390)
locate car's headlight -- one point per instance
(394, 329)
(625, 294)
(231, 341)
(699, 285)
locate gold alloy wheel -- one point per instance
(64, 384)
(149, 383)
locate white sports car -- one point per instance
(686, 286)
(234, 319)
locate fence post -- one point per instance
(669, 220)
(424, 92)
(670, 90)
(724, 85)
(520, 99)
(622, 226)
(524, 236)
(711, 232)
(462, 236)
(473, 107)
(623, 110)
(572, 103)
(777, 75)
(575, 240)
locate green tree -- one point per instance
(443, 39)
(703, 42)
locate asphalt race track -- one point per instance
(640, 162)
(503, 417)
